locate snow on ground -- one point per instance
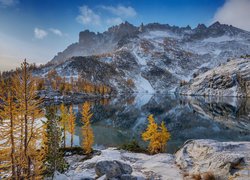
(159, 166)
(229, 70)
(140, 60)
(159, 35)
(176, 71)
(106, 60)
(218, 39)
(143, 85)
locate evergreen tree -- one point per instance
(52, 140)
(64, 122)
(88, 135)
(72, 119)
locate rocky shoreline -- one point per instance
(55, 97)
(197, 159)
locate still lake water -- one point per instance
(122, 119)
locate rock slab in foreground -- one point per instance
(159, 166)
(223, 160)
(197, 159)
(112, 169)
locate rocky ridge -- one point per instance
(149, 58)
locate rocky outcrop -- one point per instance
(113, 169)
(229, 79)
(118, 163)
(56, 97)
(197, 159)
(91, 43)
(221, 160)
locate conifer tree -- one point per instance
(72, 119)
(43, 151)
(164, 136)
(52, 140)
(8, 130)
(157, 136)
(88, 135)
(64, 122)
(28, 111)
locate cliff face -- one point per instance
(91, 43)
(229, 79)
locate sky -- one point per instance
(38, 29)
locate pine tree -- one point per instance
(52, 140)
(72, 119)
(64, 122)
(88, 135)
(157, 136)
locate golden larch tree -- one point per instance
(29, 111)
(87, 132)
(157, 136)
(164, 136)
(8, 131)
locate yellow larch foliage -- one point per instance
(20, 111)
(29, 111)
(157, 136)
(88, 135)
(72, 125)
(8, 130)
(164, 136)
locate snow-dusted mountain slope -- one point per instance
(229, 79)
(155, 57)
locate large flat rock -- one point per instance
(224, 160)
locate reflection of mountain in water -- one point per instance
(232, 112)
(124, 118)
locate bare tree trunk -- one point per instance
(64, 135)
(72, 140)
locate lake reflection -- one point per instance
(122, 119)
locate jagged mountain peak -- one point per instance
(116, 37)
(120, 27)
(201, 27)
(156, 57)
(215, 25)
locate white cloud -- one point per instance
(114, 21)
(7, 3)
(56, 31)
(121, 11)
(234, 12)
(88, 16)
(40, 33)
